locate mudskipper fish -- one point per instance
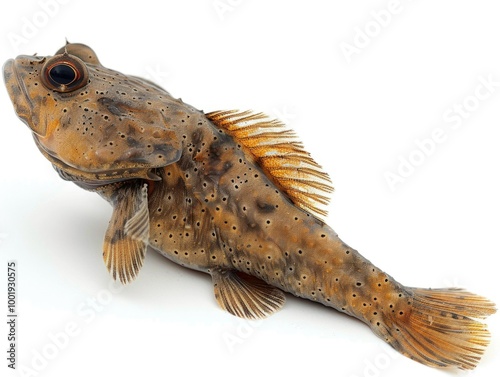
(230, 193)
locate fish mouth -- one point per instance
(23, 105)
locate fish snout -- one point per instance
(21, 78)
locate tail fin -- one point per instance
(439, 330)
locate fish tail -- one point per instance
(438, 328)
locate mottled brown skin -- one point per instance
(245, 229)
(213, 208)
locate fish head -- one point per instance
(95, 125)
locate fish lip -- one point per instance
(10, 67)
(7, 68)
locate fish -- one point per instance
(231, 193)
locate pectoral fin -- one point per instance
(246, 296)
(127, 235)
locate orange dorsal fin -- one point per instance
(280, 154)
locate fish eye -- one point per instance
(64, 73)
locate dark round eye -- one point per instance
(64, 73)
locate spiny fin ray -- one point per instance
(281, 156)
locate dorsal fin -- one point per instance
(281, 155)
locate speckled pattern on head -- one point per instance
(230, 193)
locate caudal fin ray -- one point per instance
(440, 330)
(456, 300)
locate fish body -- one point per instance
(229, 193)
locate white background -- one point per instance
(438, 228)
